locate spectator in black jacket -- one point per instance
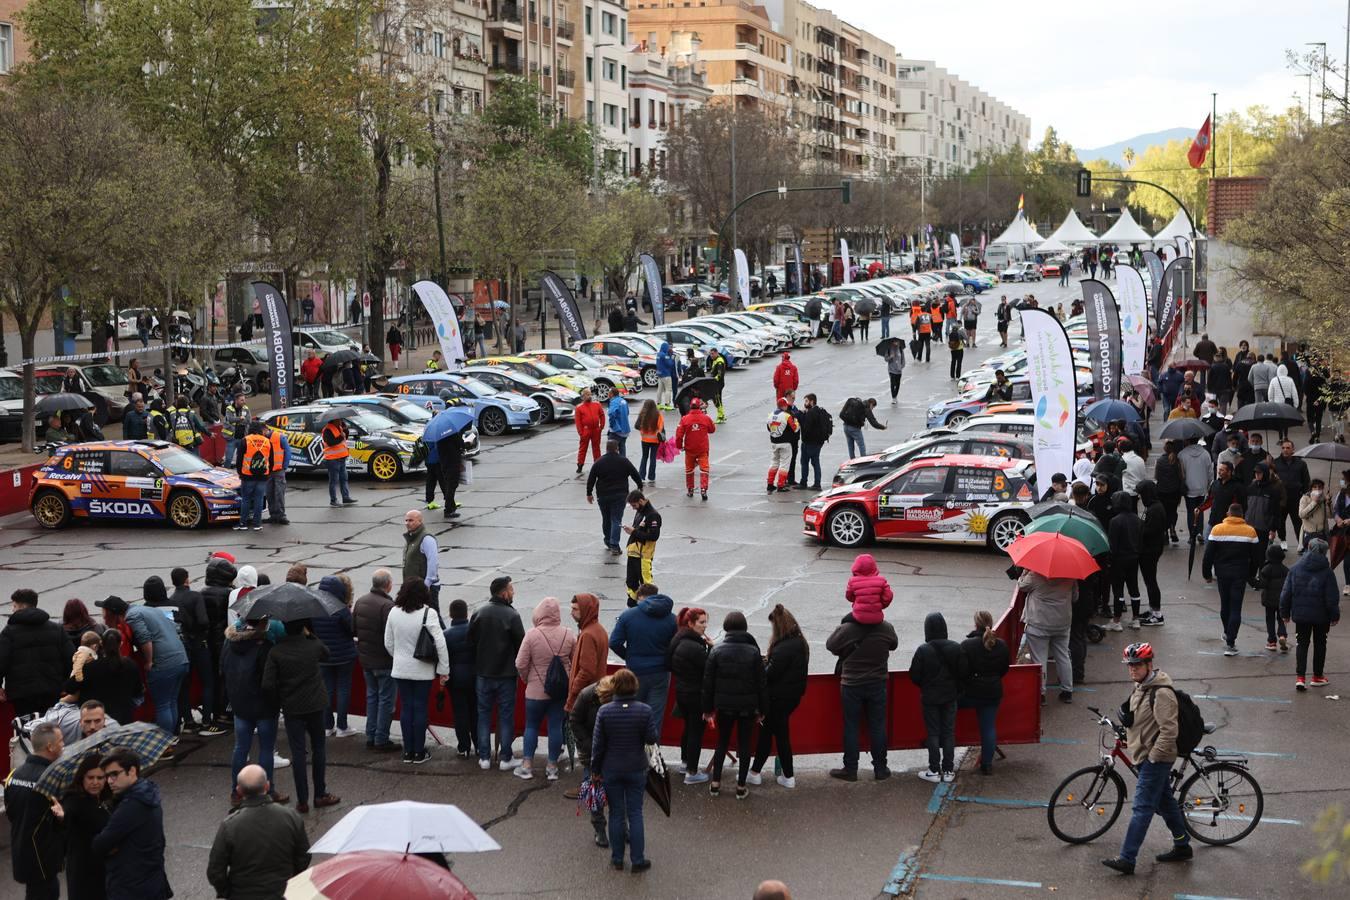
(1225, 491)
(734, 696)
(987, 660)
(1170, 485)
(816, 427)
(85, 807)
(369, 615)
(582, 719)
(1152, 542)
(132, 843)
(292, 679)
(495, 635)
(1294, 477)
(608, 479)
(785, 683)
(336, 632)
(255, 712)
(863, 652)
(36, 840)
(938, 668)
(1126, 538)
(113, 679)
(623, 729)
(687, 659)
(35, 656)
(463, 694)
(195, 625)
(217, 586)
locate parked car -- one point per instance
(536, 368)
(103, 384)
(378, 445)
(251, 363)
(556, 403)
(495, 412)
(126, 322)
(974, 443)
(609, 378)
(635, 351)
(11, 406)
(1021, 271)
(322, 341)
(403, 412)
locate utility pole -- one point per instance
(1323, 115)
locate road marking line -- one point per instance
(1201, 814)
(966, 879)
(486, 572)
(1225, 697)
(1053, 740)
(715, 585)
(942, 791)
(718, 462)
(1004, 801)
(1201, 897)
(902, 876)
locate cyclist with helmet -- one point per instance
(1152, 722)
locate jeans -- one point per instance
(744, 726)
(611, 518)
(652, 690)
(535, 712)
(337, 680)
(1306, 631)
(379, 704)
(986, 713)
(1042, 647)
(244, 729)
(885, 327)
(498, 694)
(1231, 591)
(414, 696)
(276, 495)
(337, 478)
(775, 729)
(625, 791)
(1153, 795)
(622, 441)
(199, 660)
(939, 723)
(811, 462)
(306, 736)
(857, 700)
(856, 445)
(647, 467)
(252, 492)
(163, 683)
(231, 448)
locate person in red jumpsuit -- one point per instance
(590, 422)
(692, 437)
(785, 377)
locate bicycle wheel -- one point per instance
(1086, 804)
(1222, 804)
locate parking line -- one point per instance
(1225, 697)
(966, 879)
(1260, 753)
(941, 792)
(1005, 801)
(715, 585)
(1201, 897)
(1054, 740)
(902, 876)
(486, 572)
(718, 462)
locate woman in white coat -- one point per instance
(413, 613)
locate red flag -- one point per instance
(1200, 146)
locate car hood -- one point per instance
(860, 460)
(408, 432)
(213, 477)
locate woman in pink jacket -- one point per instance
(547, 640)
(868, 591)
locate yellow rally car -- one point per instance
(535, 368)
(377, 444)
(609, 378)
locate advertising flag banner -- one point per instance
(1199, 148)
(564, 304)
(1103, 322)
(843, 257)
(1153, 262)
(1050, 374)
(742, 277)
(1172, 293)
(653, 274)
(800, 287)
(1133, 319)
(956, 248)
(277, 340)
(1183, 246)
(444, 320)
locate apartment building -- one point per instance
(664, 83)
(947, 124)
(605, 46)
(536, 40)
(13, 48)
(446, 48)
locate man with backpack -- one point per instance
(1161, 722)
(816, 427)
(855, 414)
(255, 465)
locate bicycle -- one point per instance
(1220, 794)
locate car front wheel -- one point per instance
(186, 510)
(957, 418)
(848, 526)
(1005, 529)
(492, 422)
(649, 377)
(546, 412)
(384, 466)
(603, 391)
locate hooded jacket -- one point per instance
(938, 667)
(1270, 577)
(1049, 606)
(335, 630)
(1125, 529)
(1309, 595)
(642, 634)
(1197, 467)
(733, 679)
(863, 651)
(1314, 513)
(133, 844)
(462, 676)
(589, 651)
(687, 658)
(1282, 388)
(495, 634)
(547, 639)
(816, 425)
(868, 591)
(986, 667)
(220, 575)
(666, 367)
(618, 417)
(35, 656)
(291, 676)
(785, 377)
(1153, 533)
(192, 616)
(241, 665)
(369, 615)
(1232, 549)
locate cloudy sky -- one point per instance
(1102, 72)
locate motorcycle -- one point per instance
(232, 382)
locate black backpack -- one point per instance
(1190, 722)
(556, 680)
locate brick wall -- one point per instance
(19, 52)
(1229, 199)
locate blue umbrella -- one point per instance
(1110, 410)
(451, 420)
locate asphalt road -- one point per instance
(526, 516)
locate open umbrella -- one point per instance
(1185, 430)
(62, 402)
(1088, 533)
(1110, 411)
(813, 309)
(451, 420)
(1144, 388)
(337, 412)
(1192, 365)
(285, 602)
(1060, 508)
(865, 306)
(1329, 451)
(1267, 415)
(339, 358)
(1052, 555)
(705, 388)
(406, 825)
(377, 873)
(884, 346)
(146, 739)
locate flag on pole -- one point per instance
(1021, 200)
(1200, 146)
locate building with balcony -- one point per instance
(535, 40)
(445, 48)
(605, 45)
(947, 124)
(664, 82)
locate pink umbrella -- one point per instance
(376, 873)
(1145, 389)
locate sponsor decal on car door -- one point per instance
(908, 506)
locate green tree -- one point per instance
(617, 227)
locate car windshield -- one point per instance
(327, 338)
(411, 411)
(177, 461)
(476, 387)
(639, 342)
(587, 362)
(106, 375)
(372, 421)
(523, 379)
(49, 384)
(11, 388)
(541, 369)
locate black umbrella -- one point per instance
(658, 783)
(339, 358)
(337, 412)
(1267, 415)
(285, 602)
(813, 309)
(55, 403)
(884, 346)
(865, 306)
(704, 388)
(1330, 452)
(1185, 430)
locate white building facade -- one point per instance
(947, 124)
(605, 45)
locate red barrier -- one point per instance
(14, 486)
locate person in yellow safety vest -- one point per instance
(255, 464)
(642, 537)
(717, 368)
(185, 426)
(436, 363)
(335, 455)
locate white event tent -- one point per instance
(1126, 231)
(1053, 246)
(1073, 231)
(1180, 226)
(1019, 233)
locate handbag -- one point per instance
(425, 648)
(591, 796)
(668, 451)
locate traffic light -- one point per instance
(1084, 183)
(846, 191)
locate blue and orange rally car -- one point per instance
(140, 480)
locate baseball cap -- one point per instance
(223, 554)
(113, 604)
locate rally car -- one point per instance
(149, 481)
(609, 378)
(411, 416)
(377, 444)
(495, 411)
(634, 351)
(958, 498)
(535, 368)
(977, 443)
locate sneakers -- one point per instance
(407, 759)
(1230, 650)
(1123, 866)
(578, 468)
(697, 778)
(280, 762)
(345, 732)
(948, 775)
(844, 774)
(1135, 623)
(1284, 644)
(930, 775)
(1284, 545)
(433, 505)
(243, 527)
(1319, 681)
(787, 781)
(419, 758)
(1178, 853)
(507, 765)
(257, 528)
(330, 503)
(1272, 646)
(346, 501)
(522, 773)
(1066, 696)
(211, 730)
(742, 792)
(705, 495)
(331, 732)
(1113, 625)
(754, 778)
(1300, 684)
(551, 773)
(1152, 619)
(485, 764)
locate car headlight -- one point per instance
(219, 492)
(936, 409)
(404, 446)
(816, 505)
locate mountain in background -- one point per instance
(1139, 143)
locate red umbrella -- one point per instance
(377, 873)
(1053, 555)
(1192, 365)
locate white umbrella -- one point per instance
(406, 825)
